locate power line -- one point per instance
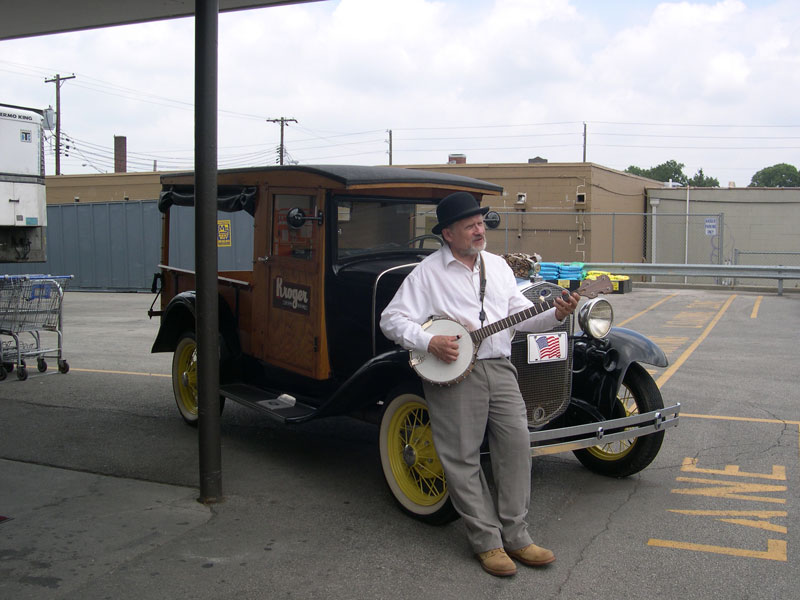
(661, 146)
(685, 124)
(102, 154)
(138, 95)
(485, 126)
(701, 137)
(318, 158)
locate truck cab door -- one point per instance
(288, 272)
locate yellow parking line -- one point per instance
(747, 420)
(754, 314)
(776, 549)
(121, 372)
(639, 314)
(688, 352)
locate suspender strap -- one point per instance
(483, 288)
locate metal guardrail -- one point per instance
(722, 271)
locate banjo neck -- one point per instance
(481, 334)
(590, 289)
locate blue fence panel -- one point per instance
(113, 246)
(116, 246)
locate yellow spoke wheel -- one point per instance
(619, 448)
(410, 463)
(638, 394)
(184, 377)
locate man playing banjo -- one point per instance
(462, 282)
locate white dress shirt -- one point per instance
(441, 285)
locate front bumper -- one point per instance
(566, 439)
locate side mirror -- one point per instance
(492, 219)
(296, 218)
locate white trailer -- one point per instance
(23, 208)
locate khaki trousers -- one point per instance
(487, 400)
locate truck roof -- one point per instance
(354, 176)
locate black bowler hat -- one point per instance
(455, 207)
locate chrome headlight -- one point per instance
(595, 317)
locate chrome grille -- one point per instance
(545, 387)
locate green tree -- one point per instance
(780, 175)
(664, 172)
(701, 180)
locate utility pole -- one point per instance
(282, 121)
(390, 147)
(58, 80)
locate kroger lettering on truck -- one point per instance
(23, 209)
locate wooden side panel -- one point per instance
(294, 320)
(288, 304)
(279, 306)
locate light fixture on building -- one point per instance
(519, 205)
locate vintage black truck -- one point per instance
(321, 250)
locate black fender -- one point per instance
(632, 346)
(180, 315)
(599, 366)
(361, 392)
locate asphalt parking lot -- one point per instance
(99, 475)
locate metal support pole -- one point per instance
(721, 240)
(686, 241)
(584, 142)
(654, 202)
(205, 210)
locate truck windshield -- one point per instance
(366, 226)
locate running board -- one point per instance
(566, 439)
(283, 408)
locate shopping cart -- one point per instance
(30, 304)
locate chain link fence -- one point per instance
(774, 259)
(661, 237)
(613, 236)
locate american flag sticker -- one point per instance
(545, 347)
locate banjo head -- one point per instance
(436, 371)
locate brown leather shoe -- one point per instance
(496, 562)
(532, 555)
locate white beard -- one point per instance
(474, 251)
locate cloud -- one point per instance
(498, 80)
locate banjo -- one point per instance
(438, 372)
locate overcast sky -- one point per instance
(713, 85)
